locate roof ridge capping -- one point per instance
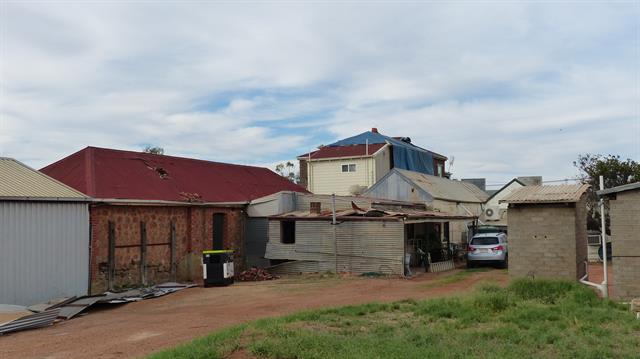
(176, 157)
(547, 194)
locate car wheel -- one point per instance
(470, 264)
(505, 263)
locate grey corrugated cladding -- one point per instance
(397, 187)
(44, 250)
(626, 187)
(363, 246)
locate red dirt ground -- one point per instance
(138, 329)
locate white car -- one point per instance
(488, 248)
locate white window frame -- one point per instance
(350, 167)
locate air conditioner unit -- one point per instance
(492, 213)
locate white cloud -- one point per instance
(509, 89)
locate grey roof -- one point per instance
(495, 192)
(18, 181)
(625, 187)
(547, 194)
(444, 188)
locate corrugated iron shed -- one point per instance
(548, 194)
(18, 181)
(115, 174)
(444, 188)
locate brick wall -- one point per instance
(194, 233)
(547, 241)
(625, 243)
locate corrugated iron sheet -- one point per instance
(367, 246)
(44, 251)
(36, 320)
(343, 151)
(107, 173)
(547, 194)
(444, 188)
(17, 180)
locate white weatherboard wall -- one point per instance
(44, 251)
(326, 176)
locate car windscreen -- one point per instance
(484, 241)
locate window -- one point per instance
(349, 168)
(485, 241)
(440, 169)
(288, 232)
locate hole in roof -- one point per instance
(162, 172)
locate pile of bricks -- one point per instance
(255, 274)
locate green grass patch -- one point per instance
(529, 318)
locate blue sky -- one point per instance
(507, 88)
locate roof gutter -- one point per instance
(143, 202)
(45, 199)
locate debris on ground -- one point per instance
(15, 317)
(255, 274)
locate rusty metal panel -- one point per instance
(44, 251)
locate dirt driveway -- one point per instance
(137, 329)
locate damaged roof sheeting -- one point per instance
(373, 214)
(114, 174)
(14, 318)
(547, 194)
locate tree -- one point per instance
(287, 170)
(156, 150)
(615, 171)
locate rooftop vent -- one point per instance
(374, 130)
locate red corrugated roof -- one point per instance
(344, 151)
(107, 173)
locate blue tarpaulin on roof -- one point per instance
(405, 155)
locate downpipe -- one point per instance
(604, 286)
(585, 280)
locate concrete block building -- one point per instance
(624, 211)
(548, 232)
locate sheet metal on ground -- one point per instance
(26, 321)
(15, 317)
(76, 307)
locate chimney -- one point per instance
(374, 130)
(315, 207)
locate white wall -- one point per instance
(326, 176)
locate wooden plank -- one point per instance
(143, 253)
(112, 254)
(172, 243)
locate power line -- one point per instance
(549, 181)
